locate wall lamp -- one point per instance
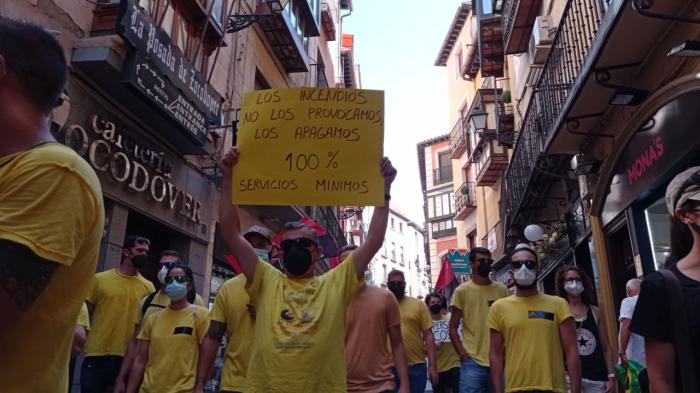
(239, 22)
(477, 120)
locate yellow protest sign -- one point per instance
(310, 146)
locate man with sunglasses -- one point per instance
(151, 303)
(471, 303)
(532, 335)
(112, 303)
(300, 323)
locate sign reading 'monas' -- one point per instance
(137, 28)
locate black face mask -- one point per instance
(139, 260)
(297, 259)
(398, 288)
(436, 308)
(484, 269)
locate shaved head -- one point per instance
(633, 286)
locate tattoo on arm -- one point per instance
(216, 330)
(23, 274)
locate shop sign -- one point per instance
(140, 168)
(145, 77)
(459, 259)
(152, 42)
(648, 160)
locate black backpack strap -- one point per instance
(681, 331)
(147, 302)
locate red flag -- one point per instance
(447, 274)
(234, 264)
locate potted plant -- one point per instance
(505, 97)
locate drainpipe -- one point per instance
(340, 44)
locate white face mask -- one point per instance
(162, 273)
(573, 287)
(524, 276)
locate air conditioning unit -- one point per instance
(541, 40)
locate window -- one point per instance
(384, 250)
(443, 205)
(392, 222)
(393, 251)
(385, 272)
(471, 240)
(218, 11)
(445, 167)
(400, 227)
(401, 258)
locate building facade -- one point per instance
(436, 175)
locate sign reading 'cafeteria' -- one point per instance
(137, 28)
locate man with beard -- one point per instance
(417, 334)
(471, 303)
(299, 341)
(532, 334)
(112, 303)
(373, 315)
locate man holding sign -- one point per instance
(300, 323)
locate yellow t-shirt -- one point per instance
(159, 302)
(475, 302)
(299, 341)
(230, 308)
(116, 298)
(447, 357)
(84, 317)
(415, 318)
(173, 350)
(533, 353)
(50, 202)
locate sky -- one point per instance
(396, 44)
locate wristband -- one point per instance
(611, 376)
(387, 197)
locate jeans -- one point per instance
(448, 381)
(71, 371)
(417, 378)
(474, 378)
(98, 373)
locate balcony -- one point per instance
(444, 233)
(491, 54)
(286, 43)
(465, 201)
(532, 170)
(458, 139)
(490, 158)
(327, 21)
(442, 175)
(518, 20)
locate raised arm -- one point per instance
(229, 219)
(377, 226)
(455, 319)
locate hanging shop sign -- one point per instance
(138, 167)
(310, 146)
(459, 259)
(649, 157)
(163, 75)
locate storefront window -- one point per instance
(658, 227)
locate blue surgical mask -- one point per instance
(263, 254)
(176, 290)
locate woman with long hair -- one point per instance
(168, 344)
(655, 317)
(574, 285)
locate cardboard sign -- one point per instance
(441, 331)
(310, 146)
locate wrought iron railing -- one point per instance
(557, 249)
(465, 197)
(576, 31)
(442, 175)
(458, 139)
(509, 11)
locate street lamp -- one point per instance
(239, 22)
(477, 120)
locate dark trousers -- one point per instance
(98, 373)
(448, 381)
(71, 371)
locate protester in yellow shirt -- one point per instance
(417, 334)
(447, 358)
(168, 348)
(300, 318)
(112, 302)
(471, 303)
(51, 216)
(232, 314)
(151, 303)
(532, 335)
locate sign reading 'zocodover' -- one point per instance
(310, 146)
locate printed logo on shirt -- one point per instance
(540, 315)
(586, 342)
(183, 330)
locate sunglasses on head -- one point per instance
(180, 279)
(530, 264)
(303, 242)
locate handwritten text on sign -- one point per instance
(310, 146)
(441, 331)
